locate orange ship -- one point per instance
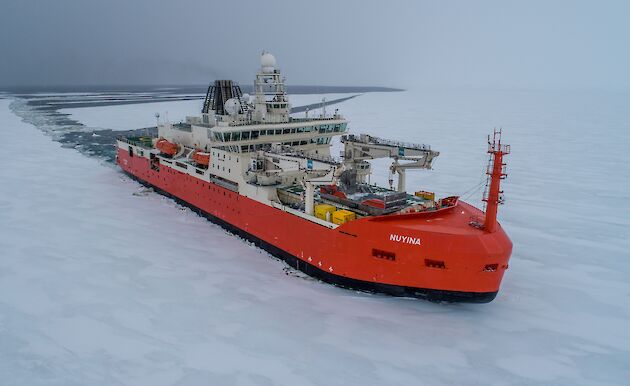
(267, 176)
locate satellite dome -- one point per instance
(267, 62)
(232, 106)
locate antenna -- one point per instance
(324, 107)
(493, 197)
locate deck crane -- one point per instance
(360, 148)
(310, 170)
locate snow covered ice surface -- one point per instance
(135, 116)
(99, 286)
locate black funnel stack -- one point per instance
(218, 93)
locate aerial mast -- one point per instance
(496, 172)
(271, 102)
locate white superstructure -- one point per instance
(258, 150)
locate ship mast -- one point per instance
(271, 104)
(496, 172)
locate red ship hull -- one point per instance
(434, 255)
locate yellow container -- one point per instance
(322, 209)
(426, 195)
(342, 216)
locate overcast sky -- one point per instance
(501, 43)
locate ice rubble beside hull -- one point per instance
(439, 257)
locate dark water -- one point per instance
(41, 107)
(186, 89)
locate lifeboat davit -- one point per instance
(200, 157)
(167, 147)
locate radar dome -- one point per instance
(267, 62)
(232, 106)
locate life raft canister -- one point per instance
(202, 158)
(166, 147)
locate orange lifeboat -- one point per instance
(200, 157)
(167, 147)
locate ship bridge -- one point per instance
(237, 123)
(307, 135)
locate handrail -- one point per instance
(368, 139)
(133, 142)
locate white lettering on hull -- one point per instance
(404, 239)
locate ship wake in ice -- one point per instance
(99, 285)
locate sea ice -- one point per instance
(104, 283)
(135, 116)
